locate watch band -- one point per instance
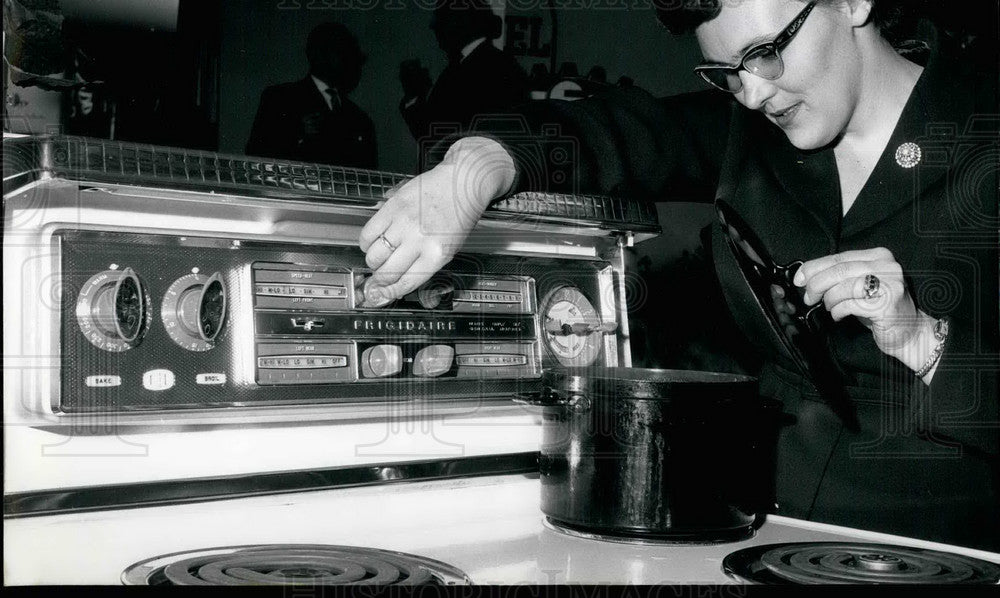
(941, 335)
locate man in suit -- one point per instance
(479, 78)
(312, 119)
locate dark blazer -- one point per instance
(924, 462)
(486, 82)
(345, 137)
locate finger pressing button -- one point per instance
(373, 296)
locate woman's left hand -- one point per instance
(883, 304)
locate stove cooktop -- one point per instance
(856, 563)
(292, 564)
(490, 528)
(317, 564)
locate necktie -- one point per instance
(334, 98)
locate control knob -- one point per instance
(433, 361)
(433, 291)
(370, 295)
(112, 310)
(381, 361)
(194, 310)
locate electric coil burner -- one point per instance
(835, 562)
(292, 564)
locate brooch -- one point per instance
(908, 154)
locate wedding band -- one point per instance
(873, 288)
(391, 247)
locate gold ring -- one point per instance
(392, 248)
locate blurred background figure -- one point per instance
(479, 78)
(312, 119)
(88, 114)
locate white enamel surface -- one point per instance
(491, 528)
(36, 459)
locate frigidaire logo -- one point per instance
(380, 324)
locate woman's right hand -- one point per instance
(424, 222)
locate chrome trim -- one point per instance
(624, 333)
(101, 161)
(175, 492)
(59, 198)
(609, 313)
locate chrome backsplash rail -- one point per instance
(141, 165)
(173, 492)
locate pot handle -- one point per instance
(576, 402)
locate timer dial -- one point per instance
(572, 327)
(194, 310)
(112, 310)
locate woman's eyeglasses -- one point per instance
(763, 60)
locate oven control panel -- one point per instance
(476, 326)
(156, 322)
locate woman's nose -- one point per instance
(756, 90)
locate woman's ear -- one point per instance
(861, 11)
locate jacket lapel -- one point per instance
(809, 178)
(933, 114)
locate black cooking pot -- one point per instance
(656, 454)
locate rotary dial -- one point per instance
(112, 310)
(194, 310)
(572, 327)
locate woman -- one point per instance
(818, 137)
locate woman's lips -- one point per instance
(784, 118)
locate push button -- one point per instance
(156, 380)
(381, 361)
(372, 296)
(433, 361)
(431, 293)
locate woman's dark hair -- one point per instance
(896, 19)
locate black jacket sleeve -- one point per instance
(622, 142)
(961, 401)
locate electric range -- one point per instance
(489, 528)
(193, 368)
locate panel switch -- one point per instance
(433, 361)
(381, 361)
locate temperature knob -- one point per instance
(433, 361)
(194, 310)
(370, 296)
(381, 361)
(112, 310)
(432, 292)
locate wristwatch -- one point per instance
(941, 329)
(940, 335)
